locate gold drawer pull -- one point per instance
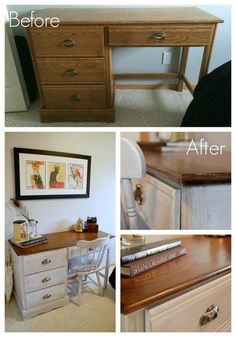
(68, 43)
(138, 194)
(45, 297)
(46, 279)
(46, 261)
(159, 36)
(72, 72)
(210, 314)
(75, 98)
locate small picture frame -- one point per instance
(43, 174)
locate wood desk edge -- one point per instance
(109, 19)
(173, 292)
(43, 247)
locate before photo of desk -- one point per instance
(73, 62)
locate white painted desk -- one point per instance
(40, 272)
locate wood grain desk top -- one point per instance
(59, 240)
(189, 169)
(206, 259)
(129, 15)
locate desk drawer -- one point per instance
(161, 35)
(44, 279)
(161, 203)
(40, 297)
(76, 96)
(73, 70)
(182, 314)
(67, 41)
(44, 261)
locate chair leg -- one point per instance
(99, 284)
(79, 288)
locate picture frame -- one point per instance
(42, 174)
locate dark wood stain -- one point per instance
(59, 240)
(189, 169)
(206, 258)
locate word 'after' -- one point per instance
(203, 148)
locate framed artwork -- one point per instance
(51, 175)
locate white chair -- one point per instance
(133, 165)
(86, 258)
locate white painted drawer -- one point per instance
(43, 296)
(44, 261)
(161, 204)
(44, 279)
(182, 314)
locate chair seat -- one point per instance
(77, 264)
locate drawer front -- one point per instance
(44, 279)
(67, 41)
(40, 297)
(79, 70)
(162, 35)
(76, 96)
(44, 261)
(160, 208)
(183, 313)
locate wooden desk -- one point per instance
(185, 191)
(168, 287)
(40, 272)
(73, 62)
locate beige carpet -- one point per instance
(133, 108)
(95, 314)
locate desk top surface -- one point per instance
(129, 15)
(59, 240)
(189, 169)
(206, 259)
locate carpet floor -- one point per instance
(95, 314)
(133, 108)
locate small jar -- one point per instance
(32, 230)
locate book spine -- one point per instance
(153, 261)
(147, 252)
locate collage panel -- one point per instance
(167, 286)
(176, 180)
(81, 66)
(60, 239)
(117, 141)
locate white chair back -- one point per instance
(132, 166)
(89, 254)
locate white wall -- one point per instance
(56, 215)
(143, 60)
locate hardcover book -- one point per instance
(29, 243)
(139, 252)
(149, 262)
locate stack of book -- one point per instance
(31, 242)
(138, 259)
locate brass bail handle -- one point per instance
(138, 194)
(72, 72)
(68, 43)
(159, 36)
(75, 98)
(210, 314)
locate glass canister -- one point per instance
(32, 230)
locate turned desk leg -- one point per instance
(182, 68)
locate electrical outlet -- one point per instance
(166, 57)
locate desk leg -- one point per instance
(206, 57)
(183, 63)
(107, 268)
